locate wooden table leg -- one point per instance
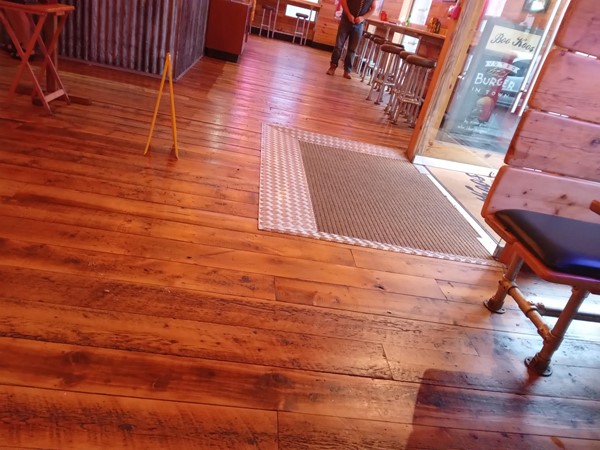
(25, 56)
(56, 88)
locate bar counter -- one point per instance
(135, 35)
(426, 38)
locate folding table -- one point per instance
(37, 16)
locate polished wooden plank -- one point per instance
(496, 367)
(436, 268)
(153, 194)
(308, 432)
(121, 422)
(189, 338)
(309, 249)
(207, 307)
(87, 369)
(33, 195)
(92, 244)
(134, 268)
(74, 368)
(462, 306)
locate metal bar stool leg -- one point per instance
(299, 30)
(377, 73)
(366, 58)
(389, 70)
(305, 23)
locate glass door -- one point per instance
(499, 62)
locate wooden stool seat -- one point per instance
(270, 24)
(392, 48)
(387, 70)
(420, 61)
(411, 87)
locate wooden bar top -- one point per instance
(417, 31)
(305, 4)
(37, 8)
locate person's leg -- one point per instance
(344, 28)
(354, 38)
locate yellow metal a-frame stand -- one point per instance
(167, 69)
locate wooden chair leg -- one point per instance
(540, 363)
(496, 303)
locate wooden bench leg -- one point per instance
(540, 363)
(496, 303)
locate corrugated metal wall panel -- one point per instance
(190, 49)
(136, 34)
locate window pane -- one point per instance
(290, 11)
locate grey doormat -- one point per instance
(360, 194)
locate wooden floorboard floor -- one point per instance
(141, 307)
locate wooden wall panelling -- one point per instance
(516, 188)
(136, 35)
(327, 25)
(190, 34)
(543, 139)
(580, 31)
(565, 85)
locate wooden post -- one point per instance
(450, 64)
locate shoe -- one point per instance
(331, 70)
(347, 75)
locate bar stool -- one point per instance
(396, 90)
(301, 30)
(365, 55)
(361, 51)
(373, 57)
(412, 91)
(386, 70)
(270, 10)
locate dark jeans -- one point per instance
(346, 32)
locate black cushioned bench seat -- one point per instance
(562, 244)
